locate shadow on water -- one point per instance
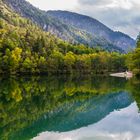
(31, 105)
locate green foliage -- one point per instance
(25, 48)
(133, 60)
(23, 101)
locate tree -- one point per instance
(69, 60)
(135, 59)
(15, 59)
(28, 66)
(42, 65)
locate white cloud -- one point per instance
(124, 4)
(54, 4)
(122, 15)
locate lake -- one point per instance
(69, 108)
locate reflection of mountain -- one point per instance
(80, 114)
(35, 105)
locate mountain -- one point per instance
(68, 32)
(26, 49)
(94, 27)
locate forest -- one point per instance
(52, 81)
(26, 49)
(133, 59)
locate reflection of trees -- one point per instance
(25, 100)
(134, 87)
(79, 114)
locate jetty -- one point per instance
(123, 74)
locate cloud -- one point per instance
(122, 15)
(54, 4)
(94, 2)
(124, 4)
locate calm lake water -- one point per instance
(69, 108)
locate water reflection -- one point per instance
(119, 125)
(67, 106)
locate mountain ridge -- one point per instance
(62, 30)
(93, 26)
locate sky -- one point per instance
(119, 15)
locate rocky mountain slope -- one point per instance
(59, 24)
(94, 27)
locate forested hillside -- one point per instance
(71, 32)
(133, 59)
(94, 27)
(25, 48)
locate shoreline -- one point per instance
(122, 74)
